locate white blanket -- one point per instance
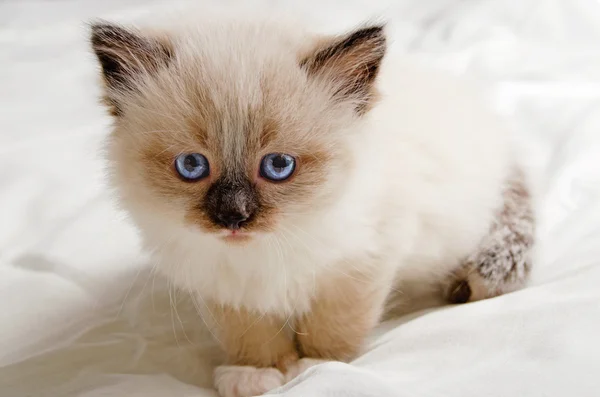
(82, 315)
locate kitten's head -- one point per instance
(231, 130)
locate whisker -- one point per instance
(196, 294)
(179, 319)
(171, 311)
(127, 294)
(253, 324)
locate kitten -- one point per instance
(295, 182)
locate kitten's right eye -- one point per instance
(192, 166)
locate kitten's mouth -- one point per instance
(236, 236)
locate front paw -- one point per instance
(246, 381)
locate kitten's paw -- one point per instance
(246, 381)
(300, 366)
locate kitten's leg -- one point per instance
(258, 349)
(502, 261)
(344, 311)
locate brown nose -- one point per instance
(232, 220)
(231, 203)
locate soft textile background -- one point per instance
(81, 315)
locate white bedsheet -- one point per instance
(81, 314)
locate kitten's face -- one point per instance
(227, 137)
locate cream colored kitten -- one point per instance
(294, 183)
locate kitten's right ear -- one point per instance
(124, 55)
(352, 62)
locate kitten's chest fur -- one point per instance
(278, 273)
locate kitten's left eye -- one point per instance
(277, 167)
(192, 166)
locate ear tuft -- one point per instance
(124, 55)
(352, 62)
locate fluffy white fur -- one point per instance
(427, 167)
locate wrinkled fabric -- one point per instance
(82, 314)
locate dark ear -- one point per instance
(351, 62)
(124, 55)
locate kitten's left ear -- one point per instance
(351, 63)
(124, 56)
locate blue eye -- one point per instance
(192, 166)
(277, 166)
